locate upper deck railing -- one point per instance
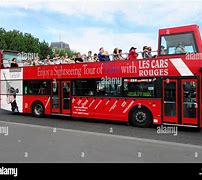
(6, 63)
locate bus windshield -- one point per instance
(178, 44)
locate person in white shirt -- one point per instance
(180, 49)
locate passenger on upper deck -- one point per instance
(66, 59)
(180, 49)
(84, 57)
(78, 58)
(116, 54)
(163, 50)
(132, 54)
(14, 62)
(150, 52)
(47, 60)
(95, 58)
(103, 55)
(145, 53)
(89, 57)
(120, 54)
(36, 61)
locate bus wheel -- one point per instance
(140, 117)
(38, 109)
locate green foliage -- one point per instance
(16, 40)
(45, 50)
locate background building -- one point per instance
(59, 45)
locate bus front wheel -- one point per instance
(38, 109)
(140, 117)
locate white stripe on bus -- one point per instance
(47, 103)
(181, 67)
(98, 104)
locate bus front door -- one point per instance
(189, 96)
(170, 101)
(180, 101)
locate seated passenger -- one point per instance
(78, 58)
(89, 57)
(116, 54)
(95, 58)
(36, 61)
(103, 55)
(149, 52)
(132, 54)
(145, 53)
(120, 54)
(28, 62)
(66, 59)
(47, 60)
(163, 50)
(84, 57)
(14, 62)
(180, 49)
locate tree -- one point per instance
(3, 44)
(45, 50)
(16, 40)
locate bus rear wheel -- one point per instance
(38, 109)
(140, 117)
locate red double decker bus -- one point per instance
(161, 90)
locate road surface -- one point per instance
(61, 139)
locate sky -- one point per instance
(90, 24)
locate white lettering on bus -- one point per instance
(155, 64)
(129, 68)
(88, 70)
(153, 67)
(42, 72)
(59, 71)
(153, 72)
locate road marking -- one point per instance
(110, 135)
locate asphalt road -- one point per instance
(62, 139)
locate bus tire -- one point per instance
(38, 109)
(140, 117)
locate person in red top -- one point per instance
(132, 54)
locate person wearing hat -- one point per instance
(132, 54)
(180, 49)
(149, 52)
(145, 53)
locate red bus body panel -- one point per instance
(113, 108)
(29, 100)
(156, 67)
